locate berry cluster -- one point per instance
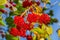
(29, 37)
(28, 3)
(21, 25)
(32, 17)
(44, 18)
(10, 4)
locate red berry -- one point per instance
(44, 18)
(11, 8)
(27, 26)
(22, 32)
(3, 11)
(26, 3)
(19, 21)
(38, 3)
(31, 10)
(11, 2)
(6, 5)
(30, 3)
(29, 37)
(14, 32)
(32, 18)
(14, 5)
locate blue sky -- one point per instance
(55, 26)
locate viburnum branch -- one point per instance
(34, 5)
(26, 10)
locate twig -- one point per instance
(27, 10)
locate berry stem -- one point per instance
(25, 11)
(28, 9)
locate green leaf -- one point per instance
(49, 3)
(10, 37)
(10, 22)
(16, 1)
(2, 23)
(51, 13)
(45, 8)
(20, 8)
(2, 6)
(55, 20)
(11, 14)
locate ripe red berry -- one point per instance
(27, 26)
(31, 10)
(3, 11)
(14, 31)
(6, 5)
(22, 32)
(26, 3)
(11, 2)
(11, 8)
(19, 21)
(32, 18)
(30, 3)
(14, 4)
(44, 18)
(38, 3)
(29, 37)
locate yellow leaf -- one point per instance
(49, 30)
(34, 37)
(2, 2)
